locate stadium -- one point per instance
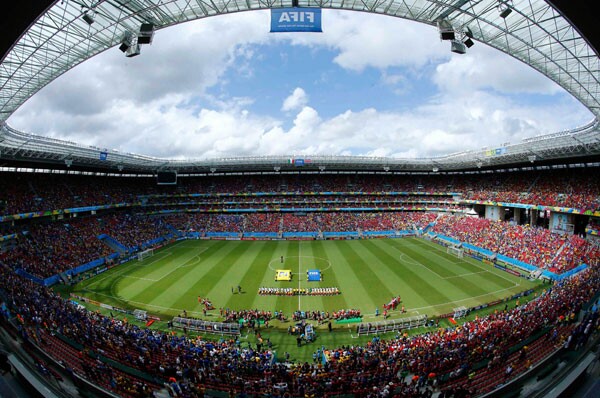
(474, 273)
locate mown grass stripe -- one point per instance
(200, 280)
(350, 286)
(256, 264)
(419, 279)
(330, 303)
(356, 277)
(272, 262)
(288, 304)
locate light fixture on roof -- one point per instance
(445, 29)
(505, 8)
(467, 39)
(386, 168)
(133, 51)
(146, 33)
(462, 41)
(458, 47)
(68, 162)
(277, 168)
(89, 17)
(435, 169)
(531, 158)
(126, 41)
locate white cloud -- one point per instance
(295, 101)
(157, 104)
(365, 40)
(485, 68)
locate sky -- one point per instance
(369, 85)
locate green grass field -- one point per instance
(367, 272)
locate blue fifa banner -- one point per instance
(296, 20)
(313, 275)
(103, 155)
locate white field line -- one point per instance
(467, 274)
(480, 267)
(299, 271)
(417, 262)
(187, 263)
(437, 249)
(142, 303)
(372, 316)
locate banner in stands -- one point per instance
(296, 19)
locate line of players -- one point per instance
(289, 291)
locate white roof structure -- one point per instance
(72, 31)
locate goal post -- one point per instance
(144, 254)
(455, 251)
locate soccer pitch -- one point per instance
(368, 274)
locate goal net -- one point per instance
(144, 254)
(455, 251)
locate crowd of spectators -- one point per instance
(133, 230)
(191, 362)
(46, 249)
(536, 246)
(34, 192)
(306, 222)
(262, 222)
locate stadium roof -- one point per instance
(582, 143)
(60, 38)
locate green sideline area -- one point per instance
(368, 273)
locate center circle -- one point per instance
(322, 261)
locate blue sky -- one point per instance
(368, 85)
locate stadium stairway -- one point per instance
(113, 244)
(176, 232)
(558, 252)
(533, 184)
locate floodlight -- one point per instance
(505, 12)
(435, 169)
(446, 30)
(68, 162)
(468, 42)
(277, 168)
(458, 47)
(531, 158)
(504, 8)
(126, 41)
(386, 168)
(146, 33)
(133, 51)
(89, 17)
